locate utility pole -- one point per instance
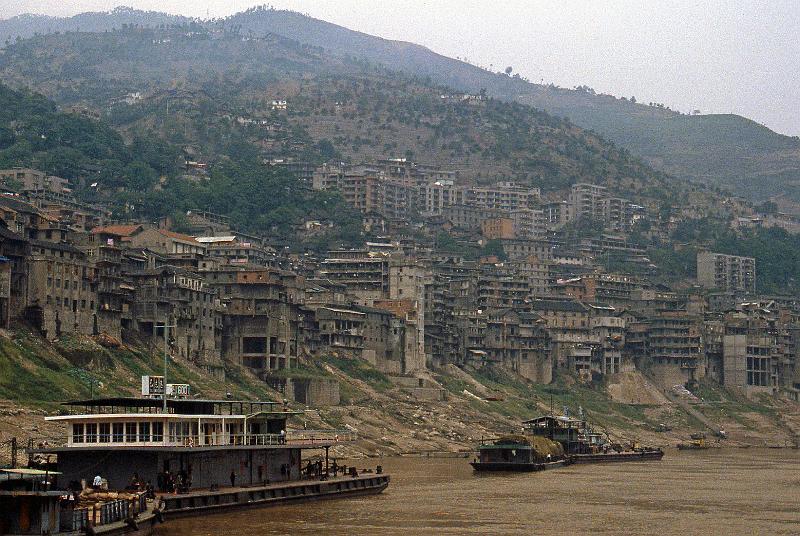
(166, 353)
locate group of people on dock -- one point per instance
(169, 482)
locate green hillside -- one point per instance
(728, 151)
(214, 89)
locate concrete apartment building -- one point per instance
(61, 293)
(726, 272)
(498, 228)
(675, 348)
(749, 355)
(505, 196)
(520, 342)
(261, 318)
(32, 179)
(171, 296)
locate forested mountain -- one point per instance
(142, 179)
(725, 150)
(215, 89)
(24, 26)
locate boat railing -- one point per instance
(220, 438)
(313, 436)
(77, 520)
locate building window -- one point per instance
(77, 432)
(758, 371)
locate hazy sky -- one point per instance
(716, 56)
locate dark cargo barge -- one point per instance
(518, 467)
(519, 454)
(583, 445)
(614, 457)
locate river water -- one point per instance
(723, 491)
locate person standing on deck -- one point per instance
(97, 483)
(233, 478)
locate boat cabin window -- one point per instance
(118, 430)
(130, 432)
(77, 432)
(91, 433)
(144, 432)
(158, 431)
(105, 432)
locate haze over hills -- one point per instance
(725, 150)
(219, 83)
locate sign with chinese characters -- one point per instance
(153, 385)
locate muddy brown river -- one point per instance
(730, 491)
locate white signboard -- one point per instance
(152, 385)
(178, 390)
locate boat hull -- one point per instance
(517, 467)
(273, 495)
(617, 457)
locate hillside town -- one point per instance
(537, 303)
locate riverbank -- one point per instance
(389, 418)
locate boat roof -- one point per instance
(102, 448)
(186, 406)
(29, 472)
(134, 401)
(515, 446)
(559, 418)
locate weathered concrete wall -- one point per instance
(308, 391)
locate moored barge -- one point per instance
(583, 445)
(191, 455)
(637, 455)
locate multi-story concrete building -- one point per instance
(180, 300)
(32, 179)
(262, 319)
(529, 223)
(235, 249)
(441, 194)
(520, 342)
(13, 274)
(498, 228)
(61, 289)
(365, 276)
(504, 196)
(675, 348)
(749, 354)
(166, 242)
(501, 287)
(726, 272)
(588, 201)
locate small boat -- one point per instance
(698, 442)
(515, 453)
